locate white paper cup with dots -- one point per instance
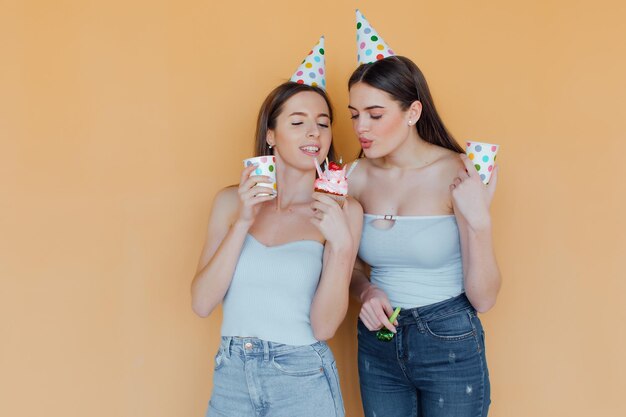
(483, 156)
(266, 165)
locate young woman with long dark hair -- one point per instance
(426, 247)
(280, 262)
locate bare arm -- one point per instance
(471, 202)
(360, 280)
(375, 306)
(342, 229)
(232, 216)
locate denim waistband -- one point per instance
(437, 310)
(253, 346)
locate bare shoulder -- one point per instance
(363, 163)
(355, 168)
(357, 176)
(353, 208)
(227, 195)
(354, 214)
(448, 164)
(225, 204)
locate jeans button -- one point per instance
(248, 345)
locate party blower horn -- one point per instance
(384, 334)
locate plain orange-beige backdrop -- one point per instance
(120, 120)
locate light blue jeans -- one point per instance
(257, 378)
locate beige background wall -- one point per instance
(119, 121)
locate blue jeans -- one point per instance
(257, 378)
(435, 365)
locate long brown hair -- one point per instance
(273, 106)
(399, 77)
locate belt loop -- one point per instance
(227, 342)
(418, 320)
(266, 351)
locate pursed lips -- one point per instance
(365, 143)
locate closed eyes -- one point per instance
(324, 125)
(372, 116)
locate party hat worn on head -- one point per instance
(312, 71)
(369, 45)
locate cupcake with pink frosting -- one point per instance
(332, 181)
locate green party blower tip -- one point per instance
(384, 334)
(394, 315)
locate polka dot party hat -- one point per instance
(312, 71)
(369, 45)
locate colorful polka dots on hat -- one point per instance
(312, 71)
(483, 156)
(369, 45)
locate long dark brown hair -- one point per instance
(399, 77)
(273, 106)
